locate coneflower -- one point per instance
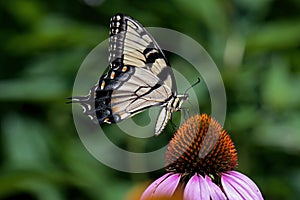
(200, 162)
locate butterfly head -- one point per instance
(178, 101)
(182, 98)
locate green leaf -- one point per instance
(275, 35)
(26, 143)
(34, 89)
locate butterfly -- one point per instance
(139, 76)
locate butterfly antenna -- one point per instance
(198, 81)
(186, 112)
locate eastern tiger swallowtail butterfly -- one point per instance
(139, 77)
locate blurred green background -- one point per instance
(255, 44)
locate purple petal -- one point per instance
(196, 189)
(215, 191)
(164, 186)
(239, 186)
